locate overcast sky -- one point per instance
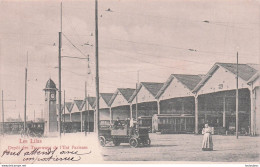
(153, 36)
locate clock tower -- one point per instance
(50, 111)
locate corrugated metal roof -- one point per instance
(244, 71)
(152, 87)
(190, 81)
(106, 96)
(91, 101)
(126, 92)
(79, 104)
(69, 106)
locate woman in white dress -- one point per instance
(207, 143)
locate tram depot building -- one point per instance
(183, 104)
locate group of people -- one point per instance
(129, 122)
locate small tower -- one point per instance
(50, 113)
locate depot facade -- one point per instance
(193, 99)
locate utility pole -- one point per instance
(88, 115)
(3, 115)
(60, 33)
(85, 124)
(59, 84)
(237, 100)
(64, 113)
(25, 95)
(97, 67)
(136, 98)
(34, 115)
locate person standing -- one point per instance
(207, 143)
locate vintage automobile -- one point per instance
(135, 136)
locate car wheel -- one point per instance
(133, 142)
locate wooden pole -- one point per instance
(3, 115)
(224, 111)
(25, 95)
(97, 66)
(59, 125)
(88, 114)
(64, 118)
(136, 98)
(85, 124)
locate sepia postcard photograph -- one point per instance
(129, 81)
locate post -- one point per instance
(59, 58)
(34, 115)
(64, 118)
(158, 106)
(252, 124)
(81, 122)
(85, 125)
(88, 115)
(25, 95)
(3, 115)
(110, 115)
(224, 111)
(196, 115)
(131, 111)
(97, 67)
(237, 100)
(182, 106)
(136, 103)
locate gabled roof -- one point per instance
(245, 72)
(126, 93)
(254, 77)
(91, 101)
(152, 87)
(79, 104)
(69, 106)
(106, 96)
(190, 81)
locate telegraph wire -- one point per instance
(73, 45)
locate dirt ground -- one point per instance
(187, 147)
(167, 147)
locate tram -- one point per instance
(173, 123)
(145, 121)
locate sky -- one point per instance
(156, 38)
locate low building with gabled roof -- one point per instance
(145, 95)
(215, 100)
(176, 98)
(104, 110)
(119, 105)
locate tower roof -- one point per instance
(50, 85)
